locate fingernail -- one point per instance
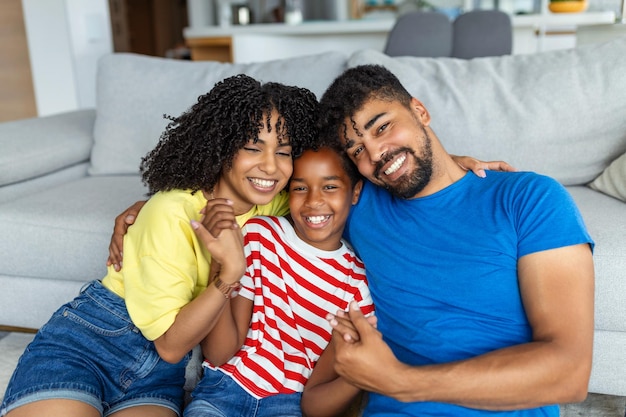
(482, 173)
(354, 305)
(194, 224)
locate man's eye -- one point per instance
(383, 127)
(357, 151)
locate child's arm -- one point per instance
(229, 332)
(326, 393)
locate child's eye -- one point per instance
(287, 154)
(251, 149)
(330, 187)
(296, 189)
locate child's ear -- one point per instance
(356, 192)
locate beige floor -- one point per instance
(12, 346)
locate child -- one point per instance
(298, 270)
(122, 345)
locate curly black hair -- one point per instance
(350, 91)
(200, 144)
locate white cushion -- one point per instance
(135, 91)
(561, 113)
(612, 181)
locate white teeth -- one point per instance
(395, 166)
(317, 219)
(262, 183)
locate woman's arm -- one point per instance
(478, 167)
(197, 318)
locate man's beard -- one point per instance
(410, 184)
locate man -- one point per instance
(483, 287)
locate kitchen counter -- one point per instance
(262, 42)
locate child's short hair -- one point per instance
(197, 146)
(348, 166)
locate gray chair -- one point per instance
(426, 34)
(480, 33)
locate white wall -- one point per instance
(65, 40)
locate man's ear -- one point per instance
(420, 111)
(356, 192)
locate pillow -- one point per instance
(135, 91)
(560, 113)
(613, 180)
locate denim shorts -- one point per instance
(218, 395)
(90, 351)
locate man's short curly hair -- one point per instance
(351, 90)
(200, 144)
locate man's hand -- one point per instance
(361, 355)
(478, 167)
(122, 222)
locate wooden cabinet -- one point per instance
(17, 96)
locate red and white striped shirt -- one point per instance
(293, 286)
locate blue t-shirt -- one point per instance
(442, 269)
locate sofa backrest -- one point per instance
(561, 113)
(135, 91)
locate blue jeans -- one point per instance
(218, 395)
(90, 351)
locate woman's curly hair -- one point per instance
(350, 91)
(200, 144)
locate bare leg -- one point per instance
(55, 408)
(145, 411)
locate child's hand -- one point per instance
(219, 215)
(122, 223)
(342, 324)
(223, 240)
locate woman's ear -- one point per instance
(356, 192)
(420, 111)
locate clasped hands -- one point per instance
(362, 357)
(217, 229)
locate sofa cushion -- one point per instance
(44, 145)
(604, 217)
(560, 113)
(69, 226)
(612, 181)
(134, 92)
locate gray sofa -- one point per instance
(64, 178)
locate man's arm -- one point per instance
(557, 288)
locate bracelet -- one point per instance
(228, 290)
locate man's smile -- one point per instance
(396, 165)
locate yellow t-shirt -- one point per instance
(165, 265)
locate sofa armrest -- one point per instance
(36, 147)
